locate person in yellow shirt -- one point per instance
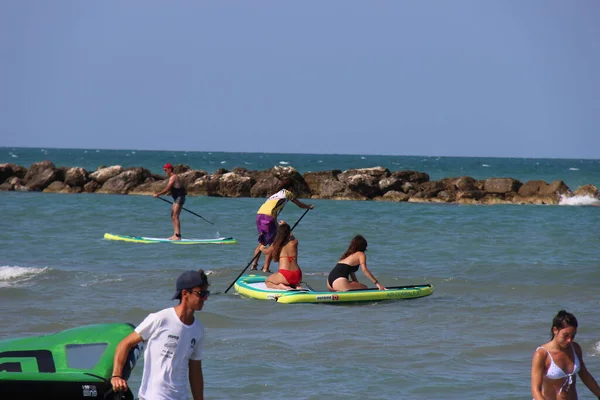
(266, 218)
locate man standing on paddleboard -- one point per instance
(173, 340)
(266, 218)
(178, 193)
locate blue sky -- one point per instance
(514, 78)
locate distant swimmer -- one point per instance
(284, 251)
(556, 364)
(178, 192)
(343, 276)
(266, 218)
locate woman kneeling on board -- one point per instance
(338, 280)
(284, 250)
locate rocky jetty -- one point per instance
(375, 183)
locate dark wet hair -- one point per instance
(285, 183)
(284, 232)
(562, 320)
(358, 243)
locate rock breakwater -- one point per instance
(375, 183)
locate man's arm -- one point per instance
(302, 205)
(123, 349)
(196, 379)
(168, 188)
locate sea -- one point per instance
(500, 273)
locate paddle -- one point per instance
(183, 208)
(258, 254)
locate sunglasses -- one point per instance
(203, 294)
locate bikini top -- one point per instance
(554, 372)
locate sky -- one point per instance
(514, 78)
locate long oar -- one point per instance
(183, 208)
(258, 254)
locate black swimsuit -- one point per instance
(178, 195)
(341, 271)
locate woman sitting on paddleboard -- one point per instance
(284, 250)
(339, 277)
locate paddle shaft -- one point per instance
(258, 254)
(183, 208)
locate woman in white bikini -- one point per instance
(555, 364)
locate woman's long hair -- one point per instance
(285, 183)
(281, 238)
(562, 320)
(358, 243)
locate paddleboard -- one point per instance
(143, 239)
(253, 286)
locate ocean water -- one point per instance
(500, 275)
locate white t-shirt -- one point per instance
(169, 345)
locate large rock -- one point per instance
(315, 180)
(587, 190)
(376, 172)
(103, 174)
(501, 185)
(411, 176)
(232, 184)
(393, 195)
(429, 189)
(91, 187)
(555, 188)
(332, 189)
(10, 170)
(40, 175)
(390, 184)
(76, 176)
(531, 188)
(364, 184)
(125, 181)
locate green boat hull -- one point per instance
(72, 364)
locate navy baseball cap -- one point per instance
(188, 280)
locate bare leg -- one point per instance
(277, 281)
(256, 258)
(175, 211)
(268, 259)
(343, 285)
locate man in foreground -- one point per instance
(173, 340)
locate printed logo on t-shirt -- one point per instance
(193, 343)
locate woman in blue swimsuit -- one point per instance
(343, 276)
(556, 364)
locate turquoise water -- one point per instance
(500, 274)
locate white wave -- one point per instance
(10, 275)
(14, 155)
(485, 165)
(283, 162)
(247, 163)
(573, 169)
(223, 162)
(363, 158)
(97, 151)
(85, 151)
(578, 201)
(101, 280)
(320, 161)
(596, 349)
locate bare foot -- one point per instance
(254, 267)
(175, 237)
(268, 271)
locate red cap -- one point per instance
(168, 166)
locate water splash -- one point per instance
(578, 201)
(9, 275)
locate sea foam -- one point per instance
(578, 201)
(10, 275)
